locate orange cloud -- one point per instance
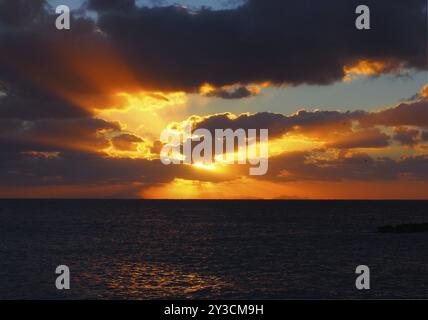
(246, 188)
(424, 91)
(369, 68)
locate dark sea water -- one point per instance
(124, 249)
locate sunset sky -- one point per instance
(82, 110)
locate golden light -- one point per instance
(145, 113)
(149, 101)
(142, 151)
(365, 68)
(424, 91)
(204, 166)
(206, 89)
(242, 188)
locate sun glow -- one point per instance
(145, 113)
(204, 166)
(149, 101)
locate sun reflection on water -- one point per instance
(153, 281)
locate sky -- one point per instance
(82, 110)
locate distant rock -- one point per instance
(404, 228)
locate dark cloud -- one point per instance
(405, 114)
(406, 136)
(85, 134)
(37, 79)
(357, 167)
(38, 104)
(368, 138)
(279, 124)
(277, 41)
(126, 142)
(21, 12)
(171, 48)
(327, 124)
(235, 93)
(111, 5)
(90, 168)
(156, 147)
(84, 168)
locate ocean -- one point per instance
(154, 249)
